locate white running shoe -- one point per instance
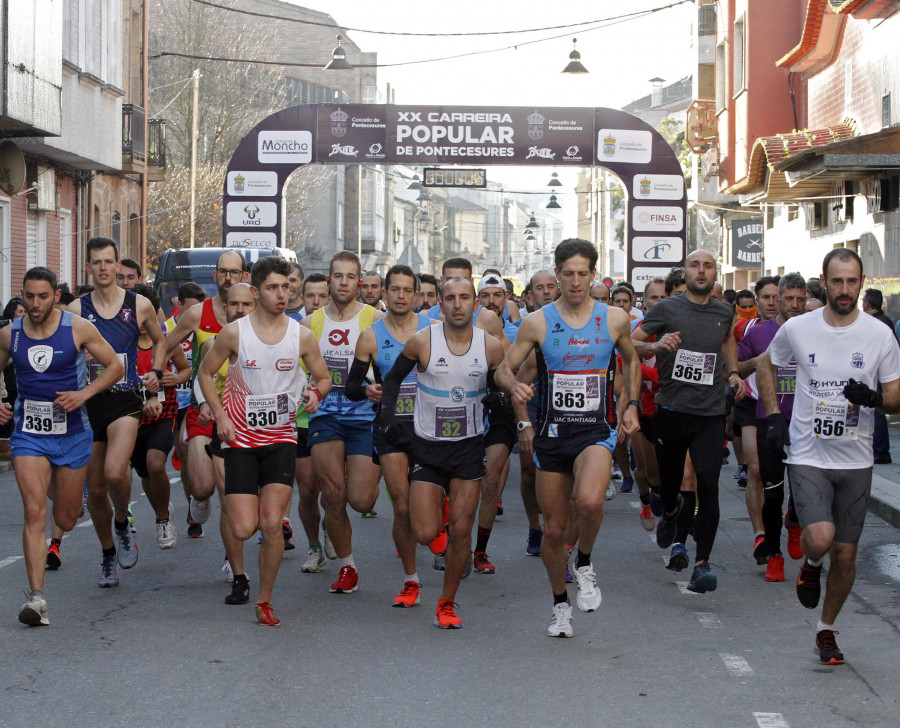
(328, 546)
(34, 611)
(610, 492)
(166, 535)
(201, 509)
(589, 597)
(171, 511)
(315, 560)
(229, 574)
(561, 624)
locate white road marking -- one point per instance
(770, 720)
(634, 504)
(736, 665)
(709, 620)
(88, 522)
(10, 560)
(682, 586)
(174, 480)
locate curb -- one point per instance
(885, 511)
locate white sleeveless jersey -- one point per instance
(260, 393)
(448, 403)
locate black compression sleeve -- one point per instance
(391, 387)
(491, 384)
(356, 385)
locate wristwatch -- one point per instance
(158, 373)
(522, 424)
(634, 402)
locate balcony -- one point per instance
(706, 19)
(156, 149)
(140, 155)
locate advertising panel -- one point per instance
(747, 243)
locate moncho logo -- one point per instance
(284, 147)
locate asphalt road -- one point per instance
(163, 648)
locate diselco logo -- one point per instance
(285, 365)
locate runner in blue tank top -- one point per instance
(51, 442)
(115, 415)
(574, 339)
(380, 345)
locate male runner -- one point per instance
(340, 433)
(500, 421)
(315, 296)
(770, 472)
(370, 290)
(129, 274)
(455, 368)
(600, 292)
(51, 439)
(693, 340)
(156, 434)
(204, 322)
(295, 309)
(544, 290)
(239, 302)
(115, 413)
(842, 355)
(379, 346)
(574, 339)
(255, 420)
(428, 292)
(766, 291)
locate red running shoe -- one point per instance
(439, 545)
(348, 578)
(445, 616)
(265, 615)
(176, 461)
(408, 596)
(795, 550)
(775, 568)
(482, 564)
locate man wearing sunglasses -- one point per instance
(204, 321)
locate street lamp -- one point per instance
(574, 65)
(553, 204)
(338, 60)
(554, 181)
(415, 183)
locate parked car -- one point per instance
(183, 265)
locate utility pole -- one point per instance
(194, 127)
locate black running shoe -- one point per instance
(808, 587)
(760, 552)
(194, 530)
(668, 524)
(240, 590)
(827, 649)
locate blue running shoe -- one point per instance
(627, 485)
(737, 473)
(703, 579)
(535, 537)
(678, 561)
(665, 529)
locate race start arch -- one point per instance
(443, 135)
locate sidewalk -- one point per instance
(885, 500)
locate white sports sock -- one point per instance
(347, 561)
(821, 625)
(815, 563)
(413, 577)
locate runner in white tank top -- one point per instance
(455, 362)
(255, 419)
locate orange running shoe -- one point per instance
(408, 596)
(265, 615)
(439, 545)
(775, 568)
(445, 616)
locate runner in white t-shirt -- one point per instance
(842, 356)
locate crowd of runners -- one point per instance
(337, 382)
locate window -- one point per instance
(720, 77)
(738, 84)
(117, 229)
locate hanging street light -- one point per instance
(532, 225)
(574, 65)
(554, 181)
(338, 60)
(415, 183)
(553, 204)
